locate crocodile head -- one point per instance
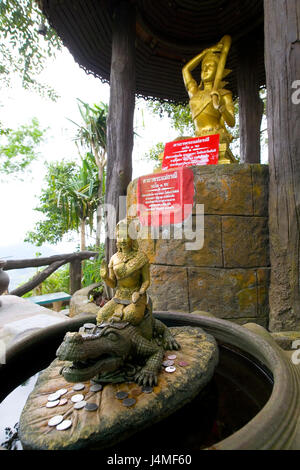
(104, 350)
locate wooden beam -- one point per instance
(44, 261)
(282, 60)
(121, 110)
(37, 279)
(250, 105)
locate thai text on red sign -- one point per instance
(194, 151)
(165, 198)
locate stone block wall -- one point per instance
(229, 276)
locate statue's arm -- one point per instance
(145, 279)
(145, 275)
(227, 109)
(107, 274)
(189, 82)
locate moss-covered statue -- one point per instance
(127, 343)
(211, 104)
(128, 272)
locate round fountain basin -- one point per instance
(247, 395)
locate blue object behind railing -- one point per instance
(50, 298)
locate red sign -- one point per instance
(165, 198)
(194, 151)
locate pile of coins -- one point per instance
(169, 367)
(78, 399)
(135, 392)
(126, 401)
(169, 363)
(55, 399)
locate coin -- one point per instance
(147, 389)
(96, 388)
(79, 405)
(121, 395)
(61, 391)
(54, 396)
(172, 356)
(91, 407)
(78, 387)
(63, 401)
(51, 404)
(168, 363)
(170, 369)
(88, 326)
(183, 363)
(66, 424)
(77, 398)
(129, 401)
(55, 420)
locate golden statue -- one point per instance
(211, 104)
(128, 271)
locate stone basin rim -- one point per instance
(274, 427)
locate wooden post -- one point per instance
(75, 275)
(120, 115)
(250, 105)
(282, 57)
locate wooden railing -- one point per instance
(54, 262)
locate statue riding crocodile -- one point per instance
(112, 350)
(127, 343)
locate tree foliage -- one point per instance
(18, 148)
(68, 201)
(52, 228)
(91, 137)
(91, 267)
(180, 120)
(180, 116)
(23, 49)
(72, 193)
(60, 280)
(154, 154)
(91, 134)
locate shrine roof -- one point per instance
(168, 34)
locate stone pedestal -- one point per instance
(229, 275)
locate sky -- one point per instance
(18, 106)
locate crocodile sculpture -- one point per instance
(117, 351)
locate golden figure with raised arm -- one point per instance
(211, 104)
(128, 272)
